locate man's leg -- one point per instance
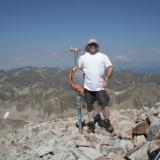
(103, 100)
(106, 112)
(90, 115)
(90, 99)
(91, 124)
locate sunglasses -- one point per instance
(93, 44)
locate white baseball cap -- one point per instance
(92, 40)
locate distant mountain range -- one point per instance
(31, 93)
(140, 67)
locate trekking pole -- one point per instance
(75, 51)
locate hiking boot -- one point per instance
(91, 127)
(83, 124)
(97, 118)
(108, 126)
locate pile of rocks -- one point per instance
(136, 137)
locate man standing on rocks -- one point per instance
(98, 70)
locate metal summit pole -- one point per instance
(75, 51)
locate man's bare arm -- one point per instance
(108, 76)
(109, 72)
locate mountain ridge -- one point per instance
(32, 93)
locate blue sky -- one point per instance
(39, 32)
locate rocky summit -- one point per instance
(136, 136)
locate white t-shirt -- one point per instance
(94, 67)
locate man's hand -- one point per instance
(104, 83)
(75, 68)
